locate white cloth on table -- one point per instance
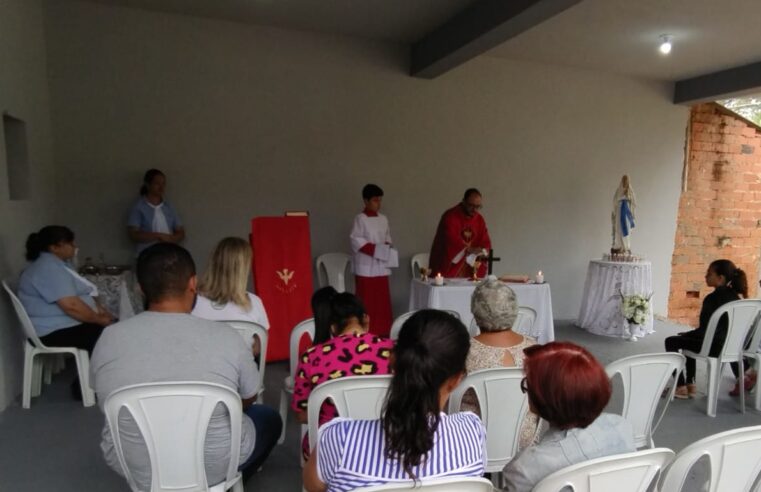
(117, 293)
(373, 230)
(600, 311)
(456, 293)
(80, 278)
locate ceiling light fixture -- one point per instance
(665, 46)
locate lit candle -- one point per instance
(439, 280)
(539, 279)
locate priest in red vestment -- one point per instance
(462, 232)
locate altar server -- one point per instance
(373, 258)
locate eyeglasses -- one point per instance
(474, 207)
(524, 386)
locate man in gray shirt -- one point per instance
(166, 343)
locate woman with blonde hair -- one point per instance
(222, 294)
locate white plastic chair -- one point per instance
(751, 351)
(305, 327)
(524, 322)
(742, 316)
(418, 261)
(34, 366)
(734, 457)
(503, 407)
(644, 377)
(396, 326)
(173, 418)
(448, 484)
(248, 330)
(334, 265)
(355, 397)
(630, 472)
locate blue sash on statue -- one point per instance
(627, 219)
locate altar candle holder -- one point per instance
(438, 280)
(539, 279)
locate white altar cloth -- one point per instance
(600, 311)
(456, 293)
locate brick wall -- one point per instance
(720, 207)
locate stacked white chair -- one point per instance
(334, 266)
(34, 366)
(644, 378)
(630, 472)
(734, 457)
(420, 260)
(307, 328)
(248, 330)
(396, 326)
(524, 323)
(175, 439)
(503, 406)
(751, 351)
(742, 317)
(449, 484)
(355, 397)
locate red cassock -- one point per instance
(456, 233)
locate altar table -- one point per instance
(600, 311)
(455, 295)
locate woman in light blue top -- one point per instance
(152, 219)
(59, 302)
(568, 388)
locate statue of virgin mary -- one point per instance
(624, 203)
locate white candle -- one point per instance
(439, 280)
(539, 279)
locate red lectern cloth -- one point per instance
(282, 270)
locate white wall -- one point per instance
(24, 95)
(250, 121)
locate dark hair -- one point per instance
(735, 277)
(371, 191)
(344, 307)
(39, 242)
(322, 313)
(432, 347)
(470, 191)
(566, 385)
(147, 178)
(164, 270)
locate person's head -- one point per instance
(166, 272)
(372, 196)
(566, 385)
(724, 273)
(322, 313)
(154, 183)
(55, 239)
(428, 362)
(226, 276)
(494, 305)
(346, 311)
(471, 202)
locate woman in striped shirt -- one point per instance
(413, 440)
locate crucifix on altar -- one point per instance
(490, 259)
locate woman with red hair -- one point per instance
(568, 388)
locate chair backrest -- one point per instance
(334, 265)
(305, 327)
(419, 261)
(630, 472)
(173, 418)
(448, 484)
(355, 397)
(248, 330)
(524, 322)
(742, 316)
(734, 456)
(396, 326)
(754, 343)
(503, 407)
(26, 323)
(644, 377)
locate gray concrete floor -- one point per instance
(54, 445)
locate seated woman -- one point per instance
(495, 309)
(413, 439)
(568, 388)
(59, 302)
(351, 351)
(730, 284)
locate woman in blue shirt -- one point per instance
(152, 219)
(58, 301)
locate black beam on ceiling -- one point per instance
(719, 85)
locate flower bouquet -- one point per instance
(635, 309)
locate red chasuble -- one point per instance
(456, 233)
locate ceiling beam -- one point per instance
(719, 85)
(479, 28)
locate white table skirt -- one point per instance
(118, 293)
(455, 295)
(600, 311)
